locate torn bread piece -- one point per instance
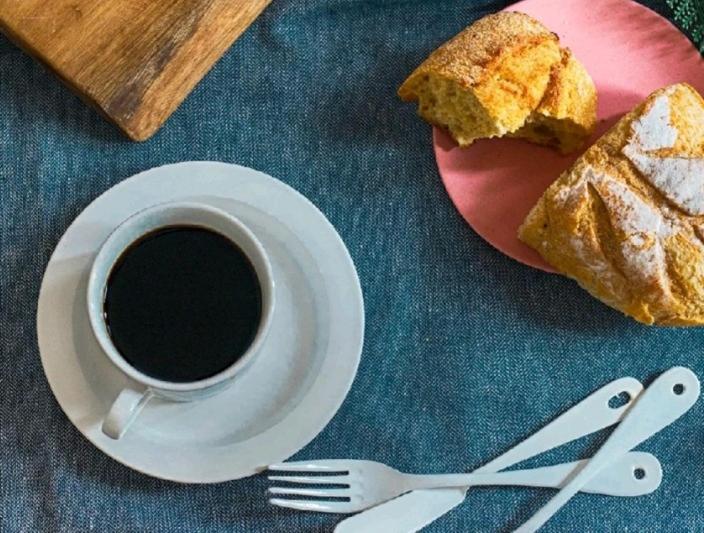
(506, 75)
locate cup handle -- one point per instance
(128, 404)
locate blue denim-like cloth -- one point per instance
(466, 353)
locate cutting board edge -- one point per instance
(135, 126)
(139, 128)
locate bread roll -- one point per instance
(627, 220)
(505, 75)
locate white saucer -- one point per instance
(292, 388)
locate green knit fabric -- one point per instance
(689, 14)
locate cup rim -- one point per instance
(95, 309)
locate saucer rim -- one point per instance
(333, 398)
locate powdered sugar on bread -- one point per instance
(625, 221)
(679, 179)
(653, 130)
(641, 225)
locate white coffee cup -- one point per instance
(131, 400)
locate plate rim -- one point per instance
(537, 262)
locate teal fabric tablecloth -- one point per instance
(466, 351)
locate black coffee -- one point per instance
(183, 303)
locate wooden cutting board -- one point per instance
(135, 60)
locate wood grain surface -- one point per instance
(135, 60)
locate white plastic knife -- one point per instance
(667, 398)
(413, 511)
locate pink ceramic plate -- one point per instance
(629, 51)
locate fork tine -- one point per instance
(305, 505)
(323, 493)
(313, 480)
(309, 466)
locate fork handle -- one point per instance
(669, 397)
(619, 480)
(416, 510)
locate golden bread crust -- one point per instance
(571, 93)
(567, 112)
(466, 57)
(503, 73)
(626, 220)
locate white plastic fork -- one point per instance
(368, 483)
(415, 510)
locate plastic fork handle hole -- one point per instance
(619, 400)
(678, 389)
(639, 473)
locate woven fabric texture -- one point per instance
(466, 351)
